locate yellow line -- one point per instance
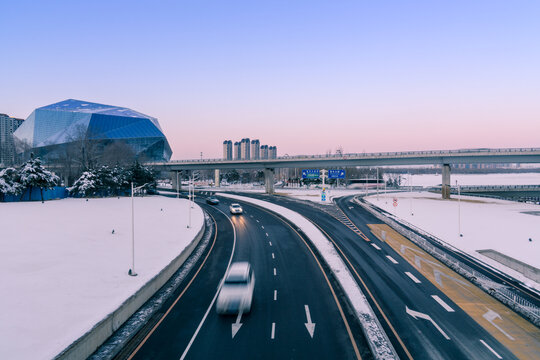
(178, 298)
(351, 337)
(369, 292)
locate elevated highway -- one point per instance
(445, 158)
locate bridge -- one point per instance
(444, 158)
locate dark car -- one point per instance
(212, 200)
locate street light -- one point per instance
(459, 209)
(131, 271)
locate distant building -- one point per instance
(237, 152)
(255, 149)
(272, 152)
(227, 150)
(264, 152)
(8, 125)
(245, 149)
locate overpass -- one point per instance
(445, 158)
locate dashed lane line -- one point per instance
(442, 303)
(375, 246)
(413, 278)
(391, 259)
(490, 349)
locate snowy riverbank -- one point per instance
(64, 270)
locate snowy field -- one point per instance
(473, 179)
(63, 270)
(501, 225)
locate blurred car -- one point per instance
(236, 294)
(212, 200)
(236, 209)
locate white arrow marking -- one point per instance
(237, 325)
(491, 316)
(309, 325)
(416, 314)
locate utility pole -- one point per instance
(459, 209)
(132, 271)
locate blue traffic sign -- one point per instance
(336, 174)
(310, 173)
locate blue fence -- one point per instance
(58, 192)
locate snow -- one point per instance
(501, 225)
(375, 333)
(63, 270)
(427, 180)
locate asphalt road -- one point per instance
(401, 297)
(292, 289)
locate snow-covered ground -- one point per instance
(505, 226)
(63, 270)
(427, 180)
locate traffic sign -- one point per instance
(336, 174)
(310, 173)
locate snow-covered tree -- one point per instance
(33, 175)
(88, 184)
(9, 182)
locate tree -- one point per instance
(9, 182)
(141, 175)
(86, 185)
(32, 174)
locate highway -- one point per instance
(298, 310)
(420, 319)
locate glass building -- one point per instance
(49, 129)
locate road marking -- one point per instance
(442, 303)
(274, 271)
(273, 257)
(273, 330)
(309, 325)
(262, 227)
(270, 243)
(237, 325)
(275, 295)
(375, 246)
(215, 296)
(351, 207)
(257, 220)
(416, 315)
(490, 349)
(491, 316)
(266, 234)
(250, 216)
(413, 278)
(391, 259)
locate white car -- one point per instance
(236, 209)
(236, 293)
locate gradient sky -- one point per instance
(306, 76)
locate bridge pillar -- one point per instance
(269, 181)
(445, 189)
(217, 183)
(176, 185)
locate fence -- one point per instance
(58, 192)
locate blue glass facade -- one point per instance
(57, 125)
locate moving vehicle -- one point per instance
(236, 209)
(212, 200)
(236, 293)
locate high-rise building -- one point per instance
(264, 152)
(255, 149)
(8, 125)
(227, 150)
(245, 149)
(237, 152)
(272, 152)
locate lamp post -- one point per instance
(190, 199)
(177, 185)
(459, 209)
(377, 184)
(131, 271)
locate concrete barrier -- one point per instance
(527, 270)
(88, 343)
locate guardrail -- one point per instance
(499, 291)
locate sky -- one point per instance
(306, 76)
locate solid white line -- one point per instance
(274, 271)
(275, 295)
(442, 303)
(490, 349)
(391, 259)
(273, 330)
(215, 296)
(266, 234)
(273, 257)
(270, 243)
(413, 278)
(375, 246)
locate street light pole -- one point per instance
(459, 209)
(177, 185)
(377, 184)
(131, 271)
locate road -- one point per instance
(420, 319)
(298, 310)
